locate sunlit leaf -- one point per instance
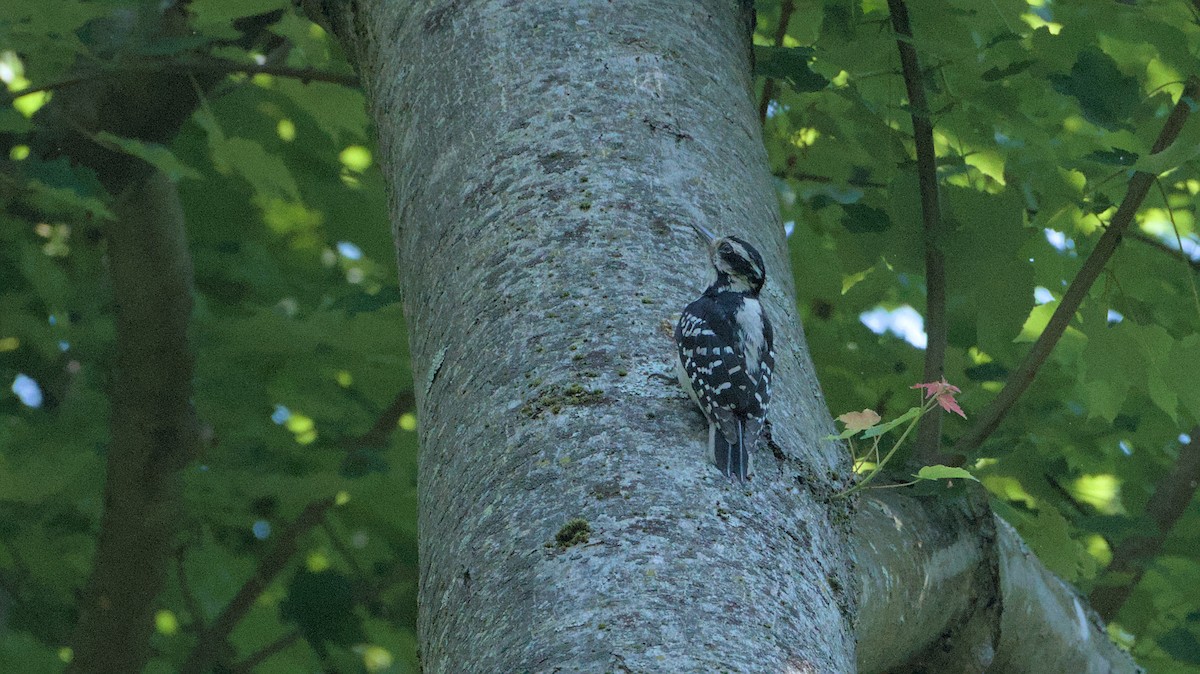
(152, 153)
(944, 473)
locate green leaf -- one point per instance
(360, 302)
(1185, 148)
(1050, 538)
(1114, 157)
(339, 111)
(61, 201)
(152, 153)
(851, 280)
(321, 605)
(265, 172)
(940, 472)
(912, 413)
(997, 73)
(862, 219)
(1106, 96)
(789, 64)
(991, 371)
(1181, 644)
(217, 16)
(1105, 398)
(1183, 371)
(1038, 319)
(12, 121)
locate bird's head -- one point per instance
(739, 266)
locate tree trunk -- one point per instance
(153, 428)
(546, 160)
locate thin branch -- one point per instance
(929, 433)
(305, 75)
(185, 589)
(385, 425)
(336, 541)
(768, 92)
(266, 652)
(1023, 376)
(197, 64)
(209, 644)
(824, 180)
(1172, 495)
(1187, 278)
(1173, 252)
(67, 82)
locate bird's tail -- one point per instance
(732, 458)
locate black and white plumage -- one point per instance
(726, 354)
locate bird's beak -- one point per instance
(705, 232)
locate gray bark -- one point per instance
(545, 160)
(921, 562)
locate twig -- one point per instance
(926, 406)
(768, 92)
(1187, 278)
(385, 425)
(263, 654)
(185, 589)
(1173, 252)
(208, 645)
(305, 75)
(336, 541)
(1020, 379)
(825, 180)
(1172, 495)
(205, 64)
(929, 433)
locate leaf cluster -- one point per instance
(302, 386)
(1041, 113)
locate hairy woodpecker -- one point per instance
(726, 353)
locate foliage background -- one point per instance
(1041, 111)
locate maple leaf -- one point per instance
(857, 421)
(944, 392)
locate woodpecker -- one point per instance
(726, 353)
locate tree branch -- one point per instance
(1171, 497)
(824, 180)
(153, 428)
(195, 64)
(266, 652)
(1173, 252)
(336, 541)
(768, 92)
(922, 562)
(385, 425)
(185, 590)
(209, 644)
(929, 432)
(222, 65)
(1020, 379)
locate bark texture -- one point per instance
(922, 564)
(545, 160)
